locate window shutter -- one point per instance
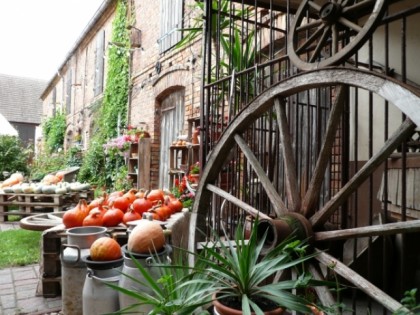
(54, 100)
(68, 92)
(171, 12)
(99, 63)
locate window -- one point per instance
(170, 21)
(99, 63)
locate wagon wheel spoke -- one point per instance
(309, 25)
(289, 159)
(406, 129)
(323, 292)
(277, 202)
(355, 27)
(243, 205)
(334, 39)
(358, 281)
(311, 39)
(367, 231)
(321, 44)
(357, 6)
(312, 194)
(314, 5)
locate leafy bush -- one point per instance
(46, 163)
(13, 156)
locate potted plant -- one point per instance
(240, 276)
(233, 275)
(176, 290)
(194, 175)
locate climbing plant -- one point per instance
(113, 110)
(54, 129)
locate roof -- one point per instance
(20, 98)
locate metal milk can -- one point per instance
(98, 297)
(130, 269)
(73, 268)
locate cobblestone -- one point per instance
(18, 287)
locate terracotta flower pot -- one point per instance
(221, 309)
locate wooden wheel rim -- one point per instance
(327, 26)
(402, 96)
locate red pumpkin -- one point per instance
(140, 193)
(103, 200)
(142, 205)
(121, 203)
(163, 211)
(105, 248)
(94, 218)
(112, 196)
(155, 196)
(130, 215)
(173, 203)
(131, 195)
(112, 217)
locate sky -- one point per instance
(37, 35)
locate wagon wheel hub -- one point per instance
(330, 12)
(284, 227)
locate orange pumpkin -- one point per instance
(95, 218)
(50, 179)
(112, 217)
(105, 248)
(155, 195)
(74, 217)
(146, 237)
(130, 215)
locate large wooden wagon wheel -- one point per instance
(303, 212)
(325, 33)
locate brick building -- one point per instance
(165, 81)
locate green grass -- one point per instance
(19, 247)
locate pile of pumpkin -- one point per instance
(122, 207)
(50, 184)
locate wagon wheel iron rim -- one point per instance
(301, 209)
(326, 33)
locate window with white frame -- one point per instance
(171, 13)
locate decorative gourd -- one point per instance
(48, 189)
(146, 237)
(105, 248)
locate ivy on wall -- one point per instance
(54, 130)
(97, 168)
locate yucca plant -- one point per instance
(241, 276)
(177, 290)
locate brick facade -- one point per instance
(179, 69)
